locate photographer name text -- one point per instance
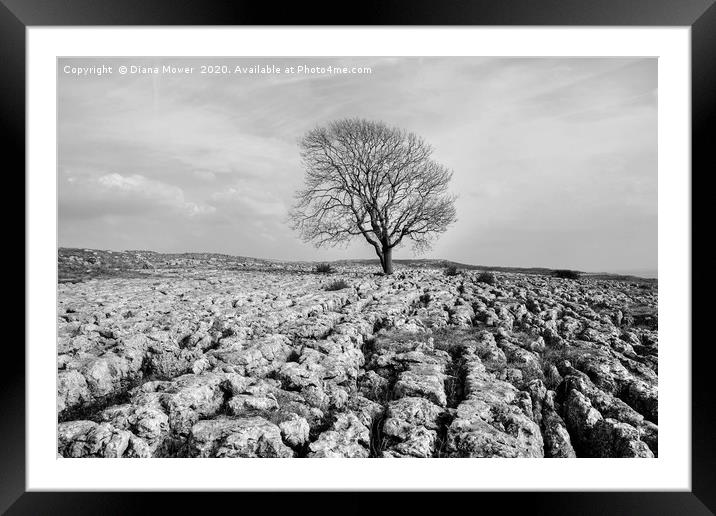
(208, 69)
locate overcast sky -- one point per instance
(554, 160)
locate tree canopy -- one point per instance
(366, 179)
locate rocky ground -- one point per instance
(215, 356)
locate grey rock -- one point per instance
(295, 431)
(242, 437)
(347, 438)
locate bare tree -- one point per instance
(367, 179)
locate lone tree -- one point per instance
(367, 179)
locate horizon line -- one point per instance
(623, 272)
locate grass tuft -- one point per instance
(336, 285)
(566, 274)
(451, 270)
(323, 268)
(487, 277)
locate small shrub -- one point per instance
(323, 268)
(337, 285)
(566, 274)
(487, 277)
(451, 270)
(425, 299)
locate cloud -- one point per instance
(115, 194)
(205, 175)
(249, 202)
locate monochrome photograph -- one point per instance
(357, 257)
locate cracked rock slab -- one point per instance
(210, 355)
(243, 437)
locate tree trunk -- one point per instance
(387, 261)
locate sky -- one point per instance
(554, 160)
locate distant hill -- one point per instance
(431, 263)
(75, 264)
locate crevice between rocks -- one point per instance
(91, 411)
(376, 435)
(454, 383)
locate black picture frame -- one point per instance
(700, 15)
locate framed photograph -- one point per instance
(459, 235)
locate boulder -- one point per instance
(242, 437)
